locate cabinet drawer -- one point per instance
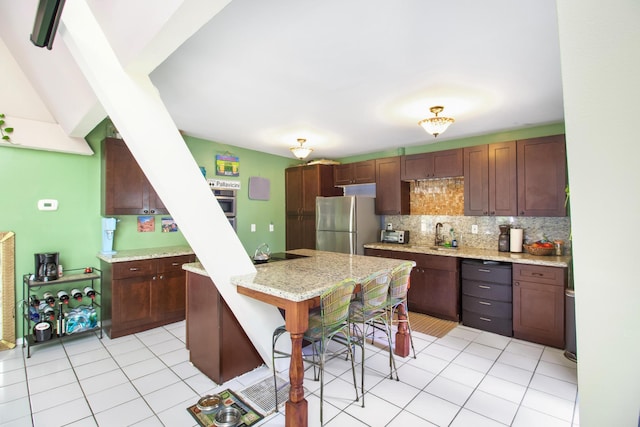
(494, 273)
(540, 274)
(485, 290)
(488, 323)
(436, 262)
(503, 310)
(166, 265)
(122, 270)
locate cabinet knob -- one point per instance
(161, 276)
(516, 283)
(145, 211)
(153, 278)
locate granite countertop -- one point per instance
(147, 253)
(305, 278)
(474, 253)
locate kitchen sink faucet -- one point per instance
(439, 237)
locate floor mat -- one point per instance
(249, 415)
(430, 325)
(262, 395)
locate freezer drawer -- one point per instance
(494, 273)
(486, 290)
(488, 323)
(487, 307)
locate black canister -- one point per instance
(503, 238)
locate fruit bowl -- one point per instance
(537, 250)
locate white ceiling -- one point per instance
(352, 77)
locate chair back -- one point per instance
(334, 304)
(375, 289)
(400, 280)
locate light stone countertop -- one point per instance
(147, 253)
(474, 253)
(305, 278)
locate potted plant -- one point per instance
(4, 130)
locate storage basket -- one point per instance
(538, 251)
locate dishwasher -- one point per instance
(487, 296)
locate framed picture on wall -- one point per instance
(146, 224)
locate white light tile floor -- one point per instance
(468, 378)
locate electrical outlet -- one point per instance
(474, 229)
(271, 227)
(253, 228)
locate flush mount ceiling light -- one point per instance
(436, 125)
(301, 152)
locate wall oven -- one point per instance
(227, 201)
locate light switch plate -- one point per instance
(48, 205)
(253, 228)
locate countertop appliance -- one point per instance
(345, 223)
(394, 236)
(46, 266)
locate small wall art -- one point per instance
(227, 165)
(169, 225)
(146, 224)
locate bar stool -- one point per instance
(330, 323)
(368, 310)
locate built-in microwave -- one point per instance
(227, 201)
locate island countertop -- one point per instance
(475, 253)
(305, 278)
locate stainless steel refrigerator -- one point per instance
(344, 224)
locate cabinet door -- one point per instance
(416, 166)
(538, 313)
(364, 172)
(293, 186)
(310, 189)
(503, 185)
(343, 174)
(542, 176)
(447, 163)
(169, 290)
(392, 194)
(301, 232)
(126, 189)
(476, 180)
(131, 303)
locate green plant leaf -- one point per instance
(1, 122)
(8, 130)
(5, 137)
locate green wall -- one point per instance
(74, 230)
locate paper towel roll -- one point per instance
(516, 240)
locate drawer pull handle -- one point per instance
(484, 270)
(134, 269)
(175, 263)
(537, 274)
(485, 319)
(484, 287)
(484, 303)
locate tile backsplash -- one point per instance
(422, 228)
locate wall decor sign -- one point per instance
(227, 165)
(224, 184)
(146, 224)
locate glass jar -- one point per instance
(503, 238)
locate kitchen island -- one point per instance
(296, 286)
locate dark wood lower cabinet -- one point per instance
(435, 283)
(218, 346)
(143, 294)
(538, 304)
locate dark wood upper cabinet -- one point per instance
(439, 164)
(355, 173)
(392, 194)
(302, 185)
(490, 179)
(126, 190)
(542, 176)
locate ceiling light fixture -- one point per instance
(436, 125)
(301, 152)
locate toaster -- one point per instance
(394, 236)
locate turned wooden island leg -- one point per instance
(403, 339)
(297, 322)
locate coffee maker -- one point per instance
(46, 266)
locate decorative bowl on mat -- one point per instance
(538, 251)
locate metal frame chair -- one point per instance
(330, 323)
(369, 309)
